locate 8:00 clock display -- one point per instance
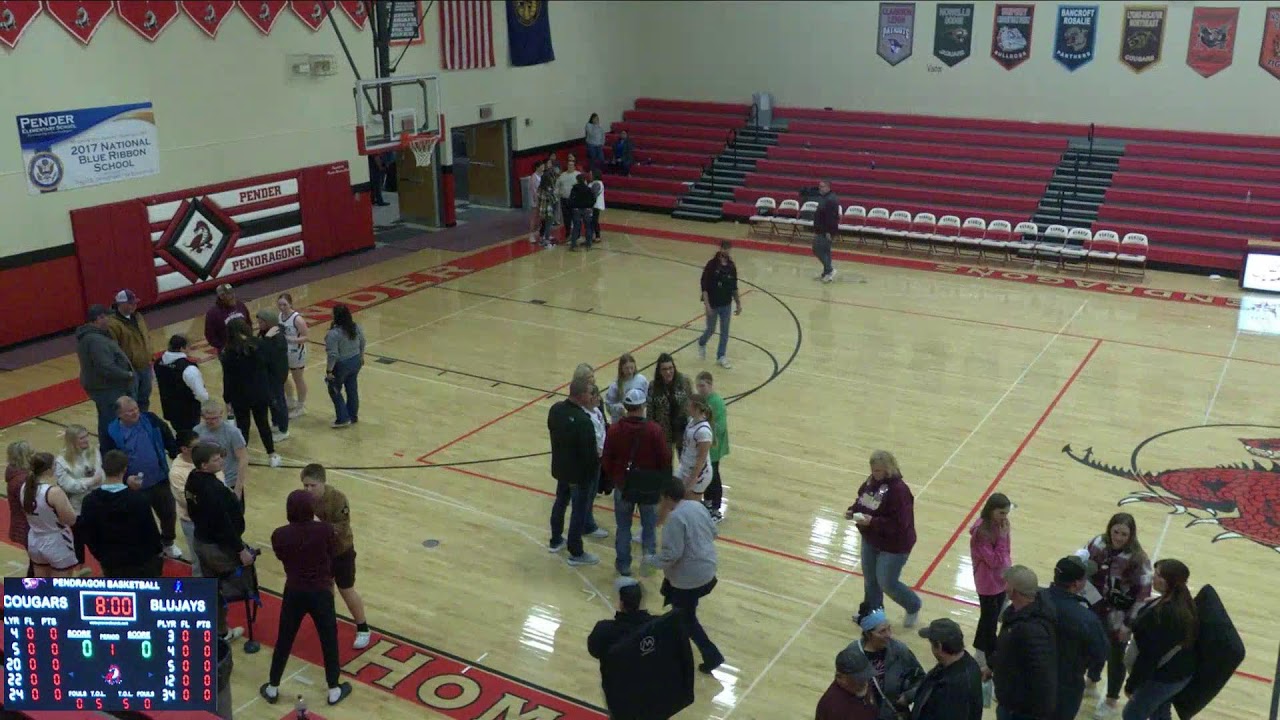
(100, 644)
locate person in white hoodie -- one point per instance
(597, 188)
(78, 471)
(628, 378)
(181, 385)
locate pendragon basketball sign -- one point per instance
(1241, 496)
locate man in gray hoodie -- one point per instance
(105, 371)
(688, 558)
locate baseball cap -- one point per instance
(943, 631)
(126, 296)
(853, 662)
(1073, 568)
(224, 288)
(97, 311)
(265, 315)
(623, 582)
(1022, 580)
(635, 397)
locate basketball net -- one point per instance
(423, 146)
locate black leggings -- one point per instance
(295, 605)
(595, 223)
(714, 495)
(258, 413)
(1115, 669)
(989, 615)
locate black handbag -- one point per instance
(643, 487)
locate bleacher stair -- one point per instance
(1079, 183)
(705, 199)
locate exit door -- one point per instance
(480, 157)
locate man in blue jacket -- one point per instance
(150, 444)
(1082, 642)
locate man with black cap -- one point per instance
(105, 371)
(953, 688)
(1082, 641)
(849, 696)
(1025, 665)
(129, 329)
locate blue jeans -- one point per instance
(345, 373)
(581, 225)
(723, 313)
(822, 251)
(880, 575)
(1153, 700)
(622, 512)
(595, 157)
(141, 390)
(578, 499)
(105, 403)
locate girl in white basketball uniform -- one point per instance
(695, 450)
(49, 521)
(295, 334)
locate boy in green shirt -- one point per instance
(714, 495)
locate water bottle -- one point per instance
(300, 708)
(988, 690)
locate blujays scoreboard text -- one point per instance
(110, 645)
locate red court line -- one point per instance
(1098, 286)
(1008, 464)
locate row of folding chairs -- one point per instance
(1057, 245)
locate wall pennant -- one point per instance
(148, 18)
(312, 13)
(1011, 35)
(953, 33)
(1076, 37)
(356, 11)
(1269, 59)
(208, 14)
(1142, 36)
(81, 18)
(262, 13)
(895, 38)
(1213, 39)
(15, 18)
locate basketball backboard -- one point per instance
(393, 112)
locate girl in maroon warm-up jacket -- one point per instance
(885, 515)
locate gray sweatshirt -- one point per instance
(594, 134)
(337, 346)
(103, 365)
(688, 553)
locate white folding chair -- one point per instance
(947, 233)
(804, 219)
(1076, 254)
(877, 224)
(999, 236)
(853, 222)
(761, 223)
(896, 229)
(1054, 239)
(920, 236)
(1025, 237)
(1104, 251)
(972, 233)
(1133, 254)
(784, 223)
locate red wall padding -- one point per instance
(48, 294)
(113, 244)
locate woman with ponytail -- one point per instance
(695, 450)
(897, 673)
(15, 476)
(1164, 638)
(49, 520)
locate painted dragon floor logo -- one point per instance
(1242, 497)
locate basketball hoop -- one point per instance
(423, 146)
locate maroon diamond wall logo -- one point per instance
(198, 240)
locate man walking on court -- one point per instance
(826, 223)
(331, 506)
(638, 462)
(575, 466)
(719, 295)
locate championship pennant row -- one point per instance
(82, 18)
(1209, 50)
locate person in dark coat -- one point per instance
(1025, 667)
(1082, 642)
(826, 225)
(952, 690)
(576, 467)
(247, 384)
(117, 525)
(1165, 634)
(582, 200)
(629, 617)
(105, 371)
(851, 695)
(274, 347)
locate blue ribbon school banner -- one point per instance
(72, 149)
(1076, 36)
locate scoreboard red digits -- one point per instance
(108, 644)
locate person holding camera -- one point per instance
(1117, 589)
(637, 461)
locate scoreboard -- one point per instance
(111, 645)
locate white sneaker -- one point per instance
(832, 276)
(233, 633)
(599, 534)
(173, 552)
(1105, 710)
(702, 352)
(911, 620)
(724, 363)
(362, 640)
(275, 460)
(585, 558)
(298, 411)
(279, 436)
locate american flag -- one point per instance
(466, 34)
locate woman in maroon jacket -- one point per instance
(306, 547)
(885, 515)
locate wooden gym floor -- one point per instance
(977, 384)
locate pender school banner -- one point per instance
(953, 33)
(1011, 34)
(1213, 39)
(895, 36)
(72, 149)
(1142, 37)
(1076, 36)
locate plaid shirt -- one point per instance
(1117, 570)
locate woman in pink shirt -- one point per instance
(992, 554)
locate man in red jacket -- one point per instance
(225, 309)
(635, 447)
